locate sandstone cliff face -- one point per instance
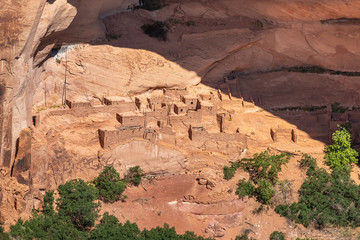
(207, 40)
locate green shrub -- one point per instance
(302, 108)
(77, 202)
(263, 169)
(229, 172)
(265, 166)
(277, 236)
(245, 188)
(307, 161)
(109, 185)
(244, 236)
(340, 154)
(158, 30)
(151, 5)
(337, 108)
(264, 191)
(260, 209)
(135, 175)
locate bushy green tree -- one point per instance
(340, 154)
(110, 185)
(326, 199)
(48, 227)
(109, 228)
(3, 235)
(264, 165)
(263, 169)
(48, 208)
(77, 201)
(135, 175)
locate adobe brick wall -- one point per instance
(108, 137)
(130, 120)
(78, 104)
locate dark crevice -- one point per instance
(17, 147)
(299, 69)
(351, 21)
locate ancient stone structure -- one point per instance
(190, 101)
(110, 136)
(79, 103)
(155, 102)
(206, 107)
(131, 119)
(180, 108)
(116, 100)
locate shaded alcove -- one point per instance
(268, 89)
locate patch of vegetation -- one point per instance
(277, 236)
(347, 126)
(305, 239)
(56, 106)
(283, 193)
(320, 70)
(326, 199)
(77, 202)
(337, 108)
(301, 108)
(264, 166)
(264, 191)
(75, 215)
(340, 154)
(40, 110)
(244, 236)
(3, 235)
(135, 175)
(112, 36)
(229, 172)
(109, 185)
(257, 24)
(48, 224)
(157, 29)
(151, 5)
(307, 161)
(260, 209)
(263, 169)
(245, 188)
